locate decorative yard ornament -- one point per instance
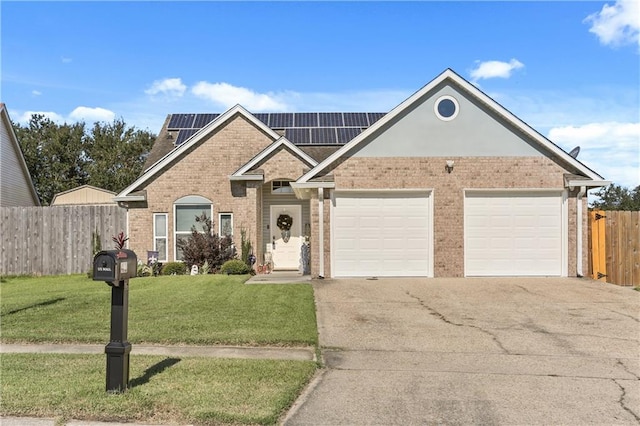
(284, 224)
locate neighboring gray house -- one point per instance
(16, 186)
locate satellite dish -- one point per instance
(574, 152)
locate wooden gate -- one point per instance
(614, 246)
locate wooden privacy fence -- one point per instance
(614, 246)
(55, 240)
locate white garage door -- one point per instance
(381, 234)
(513, 234)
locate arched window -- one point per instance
(186, 209)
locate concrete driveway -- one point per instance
(506, 351)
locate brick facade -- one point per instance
(204, 170)
(448, 197)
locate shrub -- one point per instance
(171, 268)
(235, 267)
(206, 246)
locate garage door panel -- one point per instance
(513, 233)
(389, 236)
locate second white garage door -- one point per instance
(381, 234)
(513, 233)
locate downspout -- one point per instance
(321, 232)
(581, 193)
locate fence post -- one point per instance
(598, 245)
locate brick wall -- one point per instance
(204, 170)
(448, 196)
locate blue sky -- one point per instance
(569, 69)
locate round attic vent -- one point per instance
(446, 108)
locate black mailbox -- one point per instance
(114, 266)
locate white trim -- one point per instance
(579, 196)
(281, 142)
(321, 232)
(166, 237)
(565, 234)
(159, 165)
(449, 74)
(130, 198)
(303, 190)
(443, 98)
(575, 183)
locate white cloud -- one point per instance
(495, 69)
(617, 24)
(26, 116)
(91, 115)
(169, 86)
(226, 95)
(36, 93)
(612, 149)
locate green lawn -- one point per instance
(203, 310)
(163, 390)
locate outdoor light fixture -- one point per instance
(449, 166)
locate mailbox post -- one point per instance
(115, 267)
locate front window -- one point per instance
(186, 211)
(225, 220)
(281, 187)
(160, 235)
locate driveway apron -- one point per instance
(492, 351)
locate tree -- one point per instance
(116, 154)
(54, 155)
(62, 157)
(615, 197)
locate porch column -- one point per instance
(321, 232)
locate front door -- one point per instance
(286, 236)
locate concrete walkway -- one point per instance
(296, 354)
(506, 351)
(279, 277)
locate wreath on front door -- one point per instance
(284, 223)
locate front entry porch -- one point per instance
(285, 228)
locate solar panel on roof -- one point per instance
(345, 134)
(330, 119)
(184, 134)
(204, 119)
(324, 135)
(281, 120)
(298, 136)
(355, 119)
(263, 116)
(305, 119)
(181, 121)
(375, 116)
